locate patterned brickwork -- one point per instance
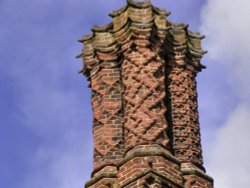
(144, 108)
(107, 106)
(183, 115)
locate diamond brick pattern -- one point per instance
(144, 96)
(107, 104)
(184, 115)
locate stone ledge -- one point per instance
(153, 150)
(156, 150)
(101, 176)
(198, 172)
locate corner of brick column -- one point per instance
(105, 178)
(195, 176)
(149, 166)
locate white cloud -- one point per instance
(227, 27)
(62, 164)
(229, 159)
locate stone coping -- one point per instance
(125, 22)
(101, 176)
(139, 151)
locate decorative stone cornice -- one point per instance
(135, 23)
(139, 4)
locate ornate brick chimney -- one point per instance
(142, 71)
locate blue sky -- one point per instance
(45, 112)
